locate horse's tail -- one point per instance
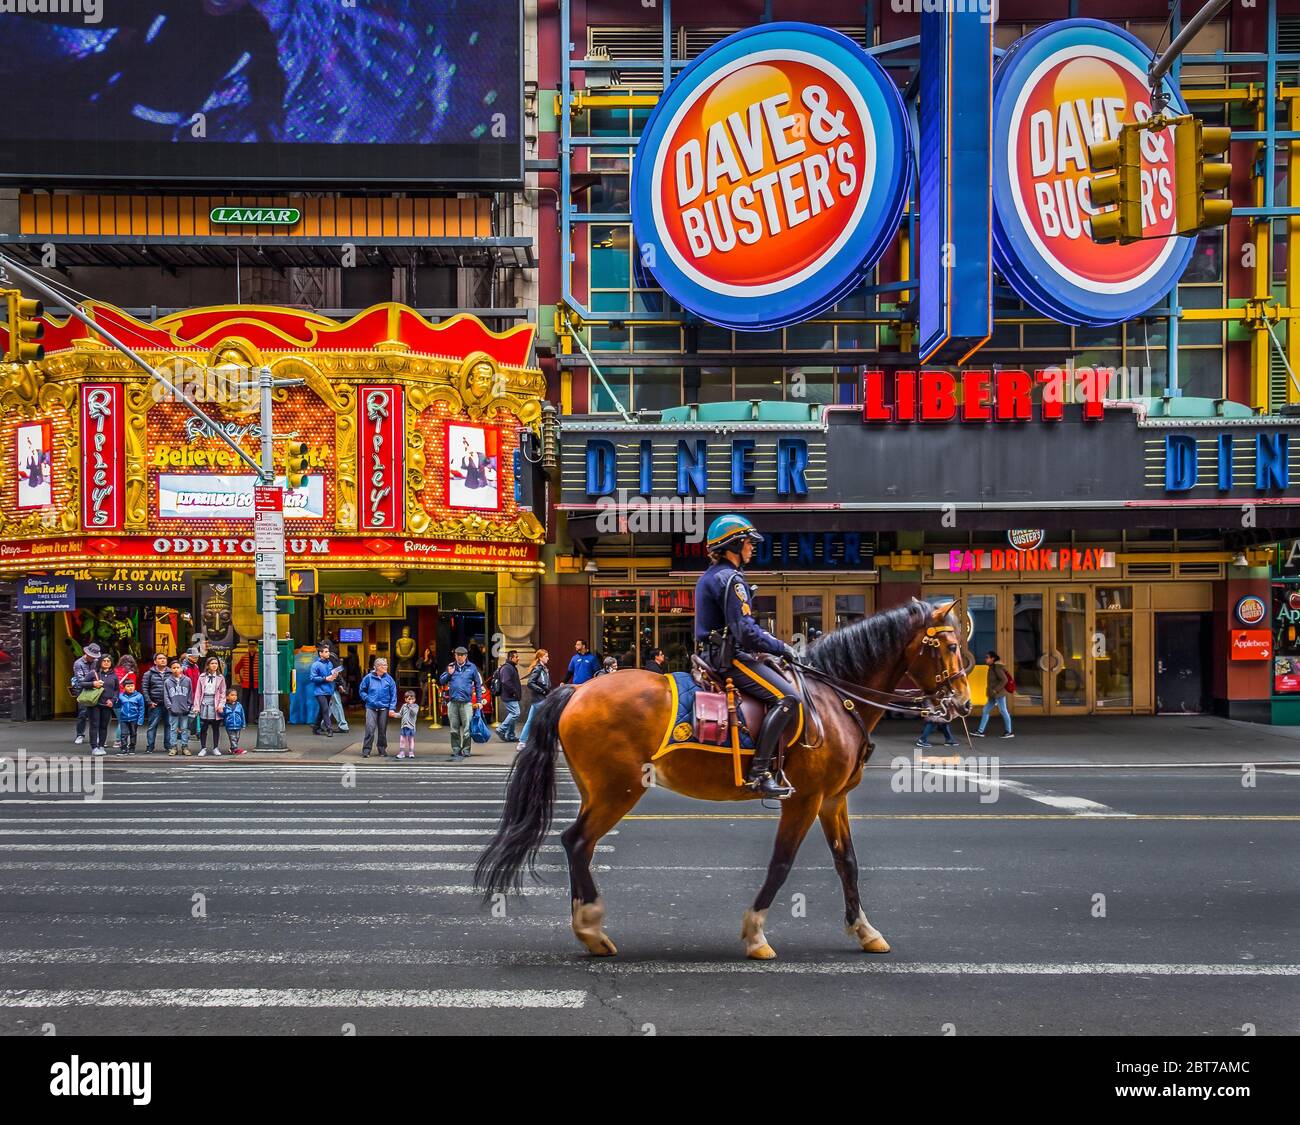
(530, 802)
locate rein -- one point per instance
(911, 701)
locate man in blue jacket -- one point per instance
(583, 665)
(323, 674)
(379, 695)
(464, 686)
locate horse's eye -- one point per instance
(952, 648)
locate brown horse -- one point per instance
(613, 731)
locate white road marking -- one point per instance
(186, 865)
(296, 801)
(1080, 805)
(857, 965)
(292, 998)
(111, 846)
(246, 920)
(284, 889)
(190, 833)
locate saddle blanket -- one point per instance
(682, 730)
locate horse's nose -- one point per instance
(964, 708)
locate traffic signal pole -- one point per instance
(270, 720)
(1160, 66)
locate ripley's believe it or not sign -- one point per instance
(411, 430)
(773, 173)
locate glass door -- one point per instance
(1069, 653)
(1027, 653)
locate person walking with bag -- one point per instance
(379, 697)
(539, 687)
(84, 670)
(464, 686)
(101, 712)
(1000, 684)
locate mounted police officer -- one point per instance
(730, 640)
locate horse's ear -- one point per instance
(942, 609)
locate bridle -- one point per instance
(937, 703)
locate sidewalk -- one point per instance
(56, 737)
(1084, 740)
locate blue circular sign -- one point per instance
(771, 176)
(1058, 90)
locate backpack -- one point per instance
(494, 684)
(1011, 684)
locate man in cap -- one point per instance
(81, 670)
(464, 686)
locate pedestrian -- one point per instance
(583, 665)
(340, 695)
(658, 662)
(151, 687)
(129, 713)
(608, 665)
(539, 687)
(379, 697)
(509, 691)
(464, 686)
(998, 680)
(106, 680)
(931, 725)
(178, 697)
(209, 705)
(190, 667)
(323, 674)
(234, 722)
(84, 669)
(406, 720)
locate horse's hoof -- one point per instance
(601, 946)
(876, 945)
(763, 952)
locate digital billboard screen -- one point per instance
(300, 91)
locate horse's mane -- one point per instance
(856, 651)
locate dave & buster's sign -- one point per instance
(1063, 87)
(771, 176)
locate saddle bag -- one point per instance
(711, 721)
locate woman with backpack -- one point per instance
(1000, 684)
(538, 680)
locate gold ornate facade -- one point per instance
(455, 373)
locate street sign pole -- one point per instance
(270, 723)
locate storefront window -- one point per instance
(630, 624)
(849, 609)
(1286, 638)
(1114, 597)
(1113, 659)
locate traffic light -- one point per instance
(295, 464)
(25, 329)
(1193, 177)
(1116, 167)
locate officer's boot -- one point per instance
(769, 738)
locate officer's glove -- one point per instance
(788, 651)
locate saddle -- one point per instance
(712, 716)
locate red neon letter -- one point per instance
(1094, 383)
(1013, 396)
(1053, 380)
(874, 407)
(905, 396)
(938, 396)
(975, 396)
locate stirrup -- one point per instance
(781, 788)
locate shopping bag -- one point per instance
(90, 696)
(478, 729)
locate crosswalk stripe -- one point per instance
(853, 964)
(279, 865)
(226, 888)
(198, 830)
(292, 998)
(112, 846)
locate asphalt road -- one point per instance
(204, 897)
